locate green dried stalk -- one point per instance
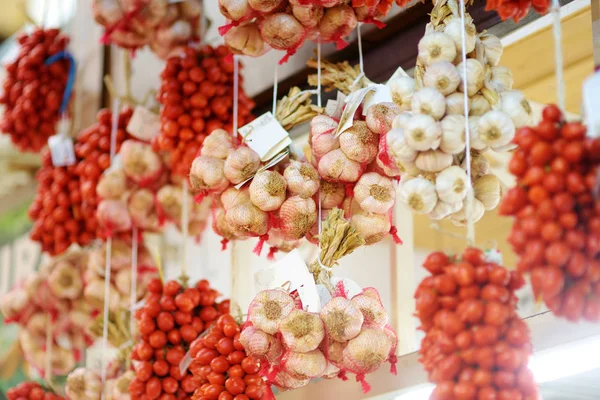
(296, 108)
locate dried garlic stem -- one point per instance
(338, 76)
(296, 108)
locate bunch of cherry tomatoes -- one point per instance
(221, 367)
(517, 9)
(556, 232)
(31, 391)
(169, 322)
(475, 345)
(32, 91)
(196, 95)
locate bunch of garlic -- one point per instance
(427, 139)
(348, 335)
(120, 277)
(250, 200)
(51, 297)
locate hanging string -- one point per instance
(469, 199)
(235, 309)
(203, 23)
(45, 13)
(48, 366)
(134, 272)
(107, 267)
(275, 87)
(184, 230)
(360, 58)
(558, 55)
(236, 92)
(319, 77)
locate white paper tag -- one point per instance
(397, 74)
(335, 107)
(144, 124)
(353, 101)
(61, 150)
(591, 104)
(493, 256)
(266, 136)
(292, 269)
(382, 94)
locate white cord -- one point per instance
(319, 74)
(469, 205)
(236, 92)
(185, 220)
(134, 273)
(275, 87)
(558, 55)
(360, 59)
(48, 367)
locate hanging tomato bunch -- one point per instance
(169, 322)
(557, 225)
(517, 9)
(196, 95)
(33, 91)
(475, 344)
(221, 368)
(31, 391)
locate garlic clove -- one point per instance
(422, 132)
(429, 101)
(493, 48)
(442, 210)
(479, 166)
(402, 89)
(476, 142)
(502, 78)
(453, 28)
(433, 160)
(460, 218)
(451, 184)
(418, 194)
(398, 146)
(487, 190)
(408, 169)
(453, 134)
(436, 46)
(455, 104)
(495, 129)
(475, 76)
(442, 76)
(516, 106)
(479, 105)
(401, 119)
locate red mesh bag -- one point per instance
(31, 390)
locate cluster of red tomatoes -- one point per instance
(221, 367)
(517, 9)
(33, 91)
(64, 208)
(31, 391)
(196, 95)
(556, 232)
(169, 322)
(475, 345)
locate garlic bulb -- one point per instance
(371, 227)
(267, 190)
(335, 166)
(359, 143)
(83, 384)
(479, 106)
(516, 106)
(401, 119)
(398, 147)
(454, 29)
(269, 308)
(322, 139)
(442, 210)
(476, 142)
(65, 281)
(247, 220)
(453, 134)
(475, 76)
(429, 101)
(232, 197)
(207, 173)
(332, 194)
(433, 160)
(241, 164)
(442, 76)
(302, 331)
(311, 364)
(455, 104)
(451, 184)
(419, 194)
(487, 190)
(374, 193)
(402, 89)
(493, 48)
(436, 46)
(408, 169)
(342, 319)
(495, 129)
(302, 178)
(422, 132)
(502, 78)
(380, 117)
(479, 166)
(218, 144)
(368, 350)
(477, 210)
(297, 215)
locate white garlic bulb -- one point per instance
(374, 193)
(487, 190)
(408, 169)
(453, 134)
(479, 105)
(493, 48)
(443, 76)
(495, 129)
(401, 119)
(475, 75)
(436, 46)
(442, 210)
(433, 160)
(419, 194)
(516, 106)
(476, 142)
(502, 78)
(429, 101)
(476, 213)
(422, 132)
(454, 29)
(451, 184)
(402, 89)
(455, 104)
(398, 147)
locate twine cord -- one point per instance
(558, 55)
(134, 273)
(360, 59)
(275, 87)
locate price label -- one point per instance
(335, 107)
(61, 150)
(291, 270)
(493, 256)
(399, 73)
(591, 104)
(381, 94)
(144, 124)
(266, 136)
